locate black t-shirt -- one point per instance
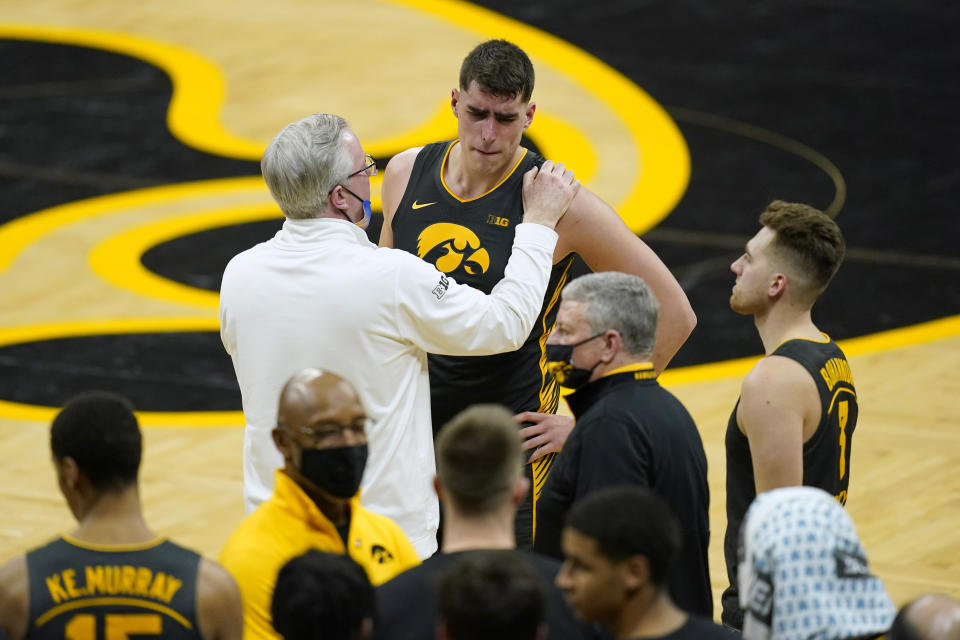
(697, 628)
(407, 605)
(471, 240)
(826, 455)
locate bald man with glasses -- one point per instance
(319, 293)
(321, 436)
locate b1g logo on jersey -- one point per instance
(498, 221)
(452, 247)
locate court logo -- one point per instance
(452, 247)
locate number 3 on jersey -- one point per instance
(117, 626)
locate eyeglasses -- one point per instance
(318, 435)
(369, 169)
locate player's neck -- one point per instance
(467, 180)
(649, 617)
(781, 323)
(493, 531)
(114, 518)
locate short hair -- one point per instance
(902, 628)
(809, 240)
(321, 595)
(628, 521)
(934, 616)
(618, 301)
(501, 68)
(491, 594)
(479, 457)
(304, 162)
(99, 431)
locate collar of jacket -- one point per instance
(309, 231)
(582, 399)
(289, 497)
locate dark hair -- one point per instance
(99, 431)
(901, 629)
(491, 594)
(501, 68)
(479, 457)
(808, 238)
(321, 595)
(630, 521)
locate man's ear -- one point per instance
(454, 100)
(613, 343)
(69, 472)
(282, 439)
(520, 489)
(778, 284)
(636, 572)
(528, 114)
(338, 197)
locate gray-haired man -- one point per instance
(629, 430)
(320, 294)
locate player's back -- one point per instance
(84, 592)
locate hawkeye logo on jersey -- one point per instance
(380, 554)
(452, 247)
(441, 287)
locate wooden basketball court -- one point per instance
(241, 70)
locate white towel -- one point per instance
(803, 572)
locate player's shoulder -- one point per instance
(773, 373)
(402, 163)
(214, 579)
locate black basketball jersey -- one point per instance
(826, 455)
(471, 240)
(86, 592)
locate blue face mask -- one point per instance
(367, 210)
(560, 364)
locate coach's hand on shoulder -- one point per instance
(547, 433)
(547, 193)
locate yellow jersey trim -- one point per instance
(135, 546)
(443, 165)
(547, 382)
(825, 340)
(101, 602)
(645, 367)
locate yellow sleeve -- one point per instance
(256, 574)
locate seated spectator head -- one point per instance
(620, 545)
(480, 463)
(96, 446)
(321, 432)
(491, 594)
(323, 595)
(803, 572)
(930, 617)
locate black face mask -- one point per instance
(336, 470)
(560, 364)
